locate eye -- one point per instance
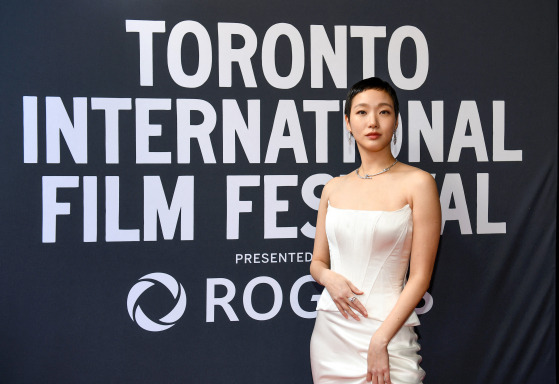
(385, 112)
(360, 112)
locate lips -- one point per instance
(373, 135)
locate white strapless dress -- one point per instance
(371, 249)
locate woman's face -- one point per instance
(372, 119)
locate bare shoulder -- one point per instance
(336, 181)
(416, 177)
(330, 186)
(420, 186)
(333, 184)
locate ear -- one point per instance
(347, 124)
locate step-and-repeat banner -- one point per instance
(162, 163)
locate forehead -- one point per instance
(372, 97)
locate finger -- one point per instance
(342, 311)
(381, 379)
(369, 377)
(347, 311)
(352, 314)
(360, 307)
(354, 289)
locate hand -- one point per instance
(378, 369)
(343, 293)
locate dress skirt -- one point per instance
(339, 349)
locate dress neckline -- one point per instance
(407, 206)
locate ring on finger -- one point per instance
(352, 299)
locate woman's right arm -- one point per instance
(339, 288)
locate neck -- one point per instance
(374, 162)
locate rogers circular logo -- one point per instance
(137, 314)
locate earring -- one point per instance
(349, 137)
(395, 137)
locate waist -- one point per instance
(378, 306)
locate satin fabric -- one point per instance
(339, 349)
(371, 249)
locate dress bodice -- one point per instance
(371, 249)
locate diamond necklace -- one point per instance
(376, 174)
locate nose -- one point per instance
(372, 120)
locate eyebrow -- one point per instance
(367, 105)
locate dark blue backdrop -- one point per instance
(64, 314)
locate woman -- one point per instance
(363, 249)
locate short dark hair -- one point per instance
(371, 83)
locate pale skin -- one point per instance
(372, 121)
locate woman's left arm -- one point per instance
(426, 233)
